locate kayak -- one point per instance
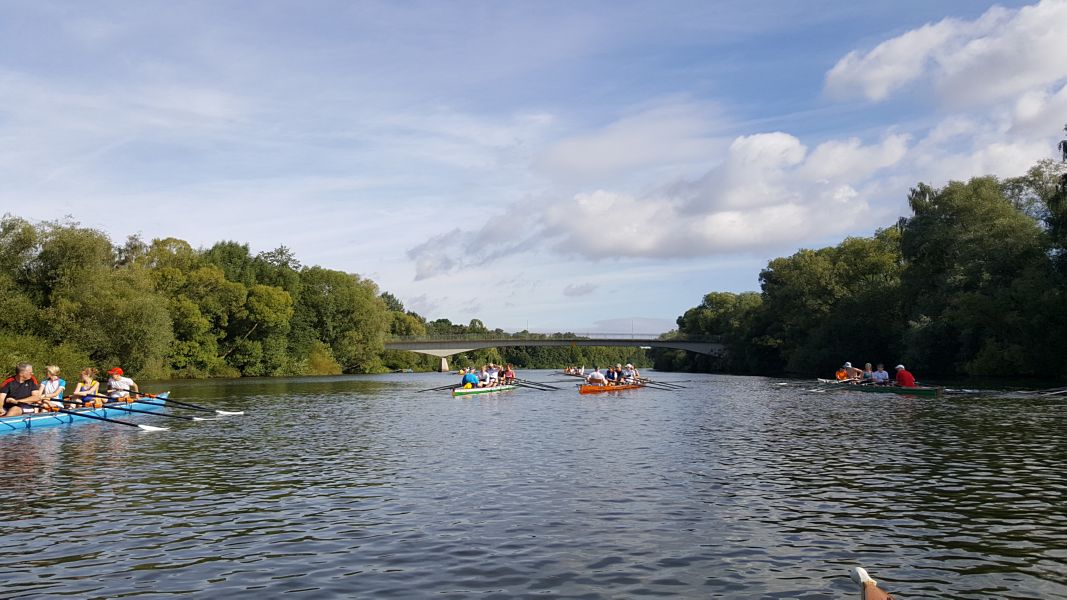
(52, 419)
(593, 389)
(921, 391)
(486, 390)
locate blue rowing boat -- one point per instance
(52, 419)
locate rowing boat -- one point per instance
(485, 390)
(593, 389)
(921, 391)
(51, 419)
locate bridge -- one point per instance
(444, 346)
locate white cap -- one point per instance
(629, 366)
(848, 365)
(899, 367)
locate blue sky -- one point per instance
(562, 166)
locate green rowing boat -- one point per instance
(485, 390)
(920, 391)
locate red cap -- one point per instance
(115, 371)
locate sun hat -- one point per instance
(848, 365)
(899, 367)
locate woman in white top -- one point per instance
(52, 387)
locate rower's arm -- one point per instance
(134, 387)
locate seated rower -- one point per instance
(867, 376)
(84, 393)
(52, 387)
(630, 374)
(854, 374)
(904, 378)
(509, 375)
(880, 376)
(20, 393)
(596, 377)
(610, 376)
(119, 387)
(470, 380)
(483, 377)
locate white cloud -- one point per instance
(999, 55)
(669, 133)
(579, 289)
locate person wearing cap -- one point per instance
(118, 386)
(904, 378)
(854, 374)
(636, 375)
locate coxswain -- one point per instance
(19, 392)
(119, 386)
(842, 373)
(904, 378)
(596, 377)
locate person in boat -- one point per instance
(119, 386)
(52, 387)
(581, 370)
(596, 377)
(509, 375)
(483, 377)
(880, 376)
(853, 373)
(867, 376)
(904, 378)
(470, 380)
(87, 388)
(19, 393)
(611, 376)
(842, 373)
(634, 373)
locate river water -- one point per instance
(362, 487)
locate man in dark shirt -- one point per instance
(22, 388)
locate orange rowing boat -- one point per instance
(593, 389)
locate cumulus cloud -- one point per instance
(1000, 54)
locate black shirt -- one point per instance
(19, 391)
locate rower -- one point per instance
(118, 386)
(18, 390)
(509, 375)
(470, 380)
(881, 377)
(853, 373)
(611, 376)
(52, 387)
(904, 378)
(630, 373)
(88, 389)
(596, 377)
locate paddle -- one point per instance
(99, 418)
(188, 405)
(529, 383)
(439, 388)
(117, 406)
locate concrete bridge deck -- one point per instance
(446, 345)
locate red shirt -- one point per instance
(905, 379)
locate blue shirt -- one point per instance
(470, 378)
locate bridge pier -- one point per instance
(444, 364)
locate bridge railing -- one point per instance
(491, 336)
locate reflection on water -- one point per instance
(733, 487)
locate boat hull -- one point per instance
(486, 390)
(922, 391)
(39, 420)
(595, 389)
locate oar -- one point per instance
(521, 383)
(666, 385)
(170, 402)
(536, 383)
(117, 406)
(99, 418)
(657, 386)
(437, 389)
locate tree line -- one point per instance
(973, 282)
(164, 309)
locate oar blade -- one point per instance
(144, 427)
(230, 413)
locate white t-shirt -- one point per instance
(596, 376)
(119, 388)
